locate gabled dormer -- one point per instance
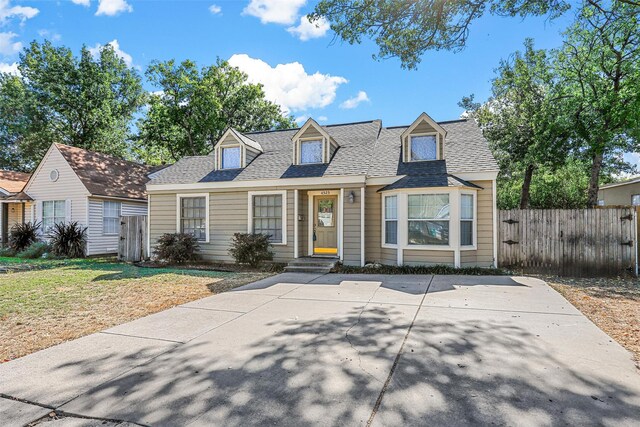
(235, 150)
(423, 140)
(312, 144)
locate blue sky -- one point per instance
(302, 67)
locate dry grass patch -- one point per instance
(46, 306)
(613, 304)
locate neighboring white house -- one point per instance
(71, 184)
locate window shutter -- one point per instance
(67, 205)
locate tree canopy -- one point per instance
(194, 106)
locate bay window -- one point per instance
(428, 216)
(391, 220)
(311, 152)
(53, 212)
(466, 220)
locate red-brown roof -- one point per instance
(12, 181)
(106, 175)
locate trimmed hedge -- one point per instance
(420, 269)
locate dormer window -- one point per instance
(312, 145)
(235, 150)
(423, 140)
(311, 151)
(230, 157)
(424, 147)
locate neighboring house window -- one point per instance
(601, 202)
(428, 219)
(53, 212)
(311, 151)
(423, 147)
(268, 216)
(111, 217)
(231, 158)
(635, 200)
(466, 220)
(193, 217)
(391, 220)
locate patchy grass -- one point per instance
(613, 304)
(46, 302)
(419, 269)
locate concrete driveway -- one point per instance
(303, 349)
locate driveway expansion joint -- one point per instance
(503, 311)
(141, 337)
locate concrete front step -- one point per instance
(311, 265)
(307, 269)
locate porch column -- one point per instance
(295, 223)
(341, 225)
(362, 241)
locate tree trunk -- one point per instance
(526, 187)
(592, 192)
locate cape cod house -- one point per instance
(72, 184)
(360, 192)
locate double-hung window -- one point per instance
(391, 220)
(635, 200)
(423, 147)
(193, 217)
(466, 220)
(53, 212)
(311, 151)
(268, 216)
(111, 217)
(230, 157)
(428, 216)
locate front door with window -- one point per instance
(325, 225)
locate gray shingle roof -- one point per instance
(365, 148)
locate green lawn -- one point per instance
(44, 302)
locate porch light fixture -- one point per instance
(352, 197)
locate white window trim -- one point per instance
(384, 221)
(179, 197)
(285, 212)
(103, 217)
(409, 142)
(299, 142)
(220, 154)
(475, 220)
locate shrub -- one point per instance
(251, 249)
(7, 252)
(23, 235)
(68, 240)
(176, 248)
(34, 251)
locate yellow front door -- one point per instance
(325, 226)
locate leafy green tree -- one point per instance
(85, 101)
(407, 29)
(599, 66)
(522, 119)
(194, 106)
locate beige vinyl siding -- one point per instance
(351, 227)
(162, 218)
(99, 243)
(388, 256)
(312, 132)
(373, 228)
(427, 257)
(485, 224)
(620, 195)
(468, 258)
(15, 215)
(68, 187)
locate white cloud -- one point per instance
(113, 7)
(51, 35)
(301, 119)
(9, 68)
(7, 45)
(289, 85)
(22, 12)
(274, 11)
(82, 2)
(307, 30)
(215, 9)
(355, 101)
(322, 119)
(128, 59)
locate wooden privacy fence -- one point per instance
(133, 238)
(569, 242)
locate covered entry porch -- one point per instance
(15, 209)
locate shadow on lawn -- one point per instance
(329, 370)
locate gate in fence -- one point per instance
(569, 242)
(133, 238)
